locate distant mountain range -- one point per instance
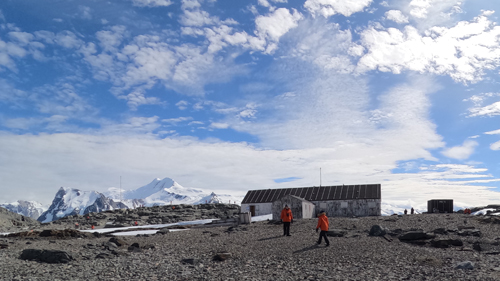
(70, 201)
(31, 209)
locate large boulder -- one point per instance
(378, 230)
(47, 256)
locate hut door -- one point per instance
(252, 211)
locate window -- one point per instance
(322, 205)
(343, 204)
(371, 205)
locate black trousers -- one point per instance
(321, 235)
(286, 228)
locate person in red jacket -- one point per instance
(323, 225)
(286, 218)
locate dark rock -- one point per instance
(441, 231)
(47, 256)
(164, 230)
(413, 235)
(221, 256)
(469, 232)
(118, 242)
(110, 245)
(4, 246)
(336, 233)
(378, 230)
(445, 243)
(191, 261)
(103, 256)
(135, 248)
(465, 265)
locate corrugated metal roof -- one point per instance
(316, 193)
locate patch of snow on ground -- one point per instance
(142, 232)
(483, 212)
(263, 218)
(159, 226)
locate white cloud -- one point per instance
(461, 152)
(489, 110)
(464, 51)
(182, 105)
(139, 158)
(396, 16)
(152, 3)
(67, 39)
(217, 125)
(138, 98)
(276, 25)
(329, 8)
(496, 132)
(177, 120)
(111, 39)
(2, 17)
(22, 38)
(85, 12)
(424, 8)
(495, 146)
(324, 44)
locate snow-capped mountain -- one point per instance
(167, 191)
(69, 201)
(31, 209)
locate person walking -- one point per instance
(323, 225)
(412, 211)
(286, 218)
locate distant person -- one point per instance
(286, 218)
(412, 211)
(324, 226)
(406, 212)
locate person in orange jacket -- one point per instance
(323, 225)
(286, 218)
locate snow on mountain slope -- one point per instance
(69, 201)
(31, 209)
(167, 191)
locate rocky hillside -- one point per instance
(10, 221)
(413, 247)
(148, 216)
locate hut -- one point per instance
(440, 206)
(340, 200)
(301, 208)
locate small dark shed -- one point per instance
(440, 206)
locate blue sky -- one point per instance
(228, 96)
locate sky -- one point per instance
(229, 96)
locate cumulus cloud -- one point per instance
(464, 51)
(461, 152)
(422, 8)
(396, 16)
(329, 8)
(276, 25)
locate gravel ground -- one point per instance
(259, 252)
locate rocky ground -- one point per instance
(413, 247)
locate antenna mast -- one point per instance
(320, 177)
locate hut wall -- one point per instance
(349, 208)
(293, 203)
(260, 208)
